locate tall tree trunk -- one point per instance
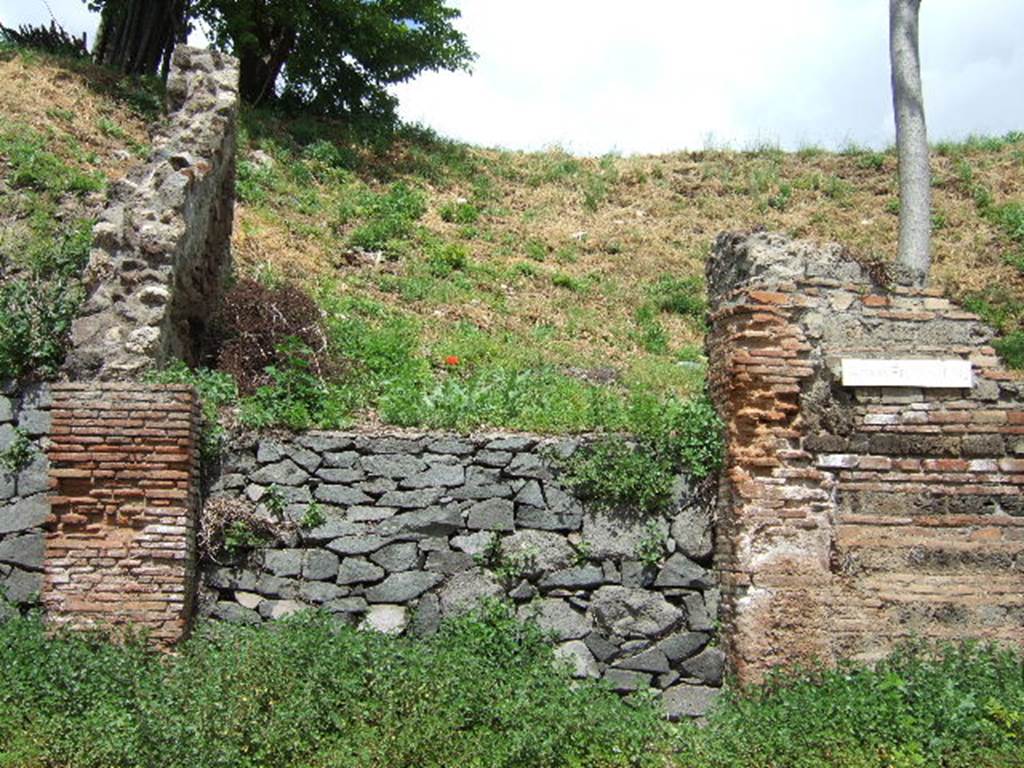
(911, 141)
(137, 36)
(260, 66)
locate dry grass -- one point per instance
(614, 226)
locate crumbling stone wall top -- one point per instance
(161, 248)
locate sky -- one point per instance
(648, 76)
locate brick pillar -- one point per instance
(120, 542)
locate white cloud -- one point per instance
(657, 75)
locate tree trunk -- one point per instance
(911, 141)
(137, 36)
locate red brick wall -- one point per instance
(120, 539)
(852, 518)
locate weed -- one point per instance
(445, 258)
(313, 517)
(582, 552)
(460, 212)
(1011, 349)
(680, 295)
(536, 250)
(650, 334)
(19, 452)
(216, 390)
(651, 548)
(780, 200)
(568, 282)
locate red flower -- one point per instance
(451, 360)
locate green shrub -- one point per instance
(684, 296)
(389, 217)
(1011, 348)
(308, 691)
(216, 390)
(460, 213)
(955, 707)
(445, 258)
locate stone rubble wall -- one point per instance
(418, 528)
(24, 508)
(849, 518)
(120, 534)
(161, 249)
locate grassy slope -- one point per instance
(587, 268)
(579, 263)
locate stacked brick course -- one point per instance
(851, 518)
(120, 537)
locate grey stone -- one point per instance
(558, 618)
(7, 486)
(324, 442)
(449, 562)
(611, 572)
(285, 472)
(582, 577)
(440, 475)
(511, 444)
(691, 530)
(473, 543)
(548, 519)
(321, 592)
(7, 436)
(276, 586)
(627, 681)
(630, 612)
(6, 411)
(21, 587)
(366, 514)
(387, 619)
(234, 613)
(356, 570)
(346, 605)
(697, 618)
(465, 591)
(341, 495)
(24, 514)
(681, 571)
(36, 396)
(599, 645)
(636, 574)
(248, 600)
(340, 459)
(683, 645)
(298, 495)
(231, 578)
(581, 662)
(34, 476)
(415, 499)
(531, 495)
(377, 486)
(279, 609)
(434, 521)
(306, 459)
(651, 660)
(402, 587)
(340, 476)
(268, 451)
(493, 458)
(524, 590)
(542, 551)
(361, 544)
(334, 526)
(396, 466)
(427, 618)
(688, 700)
(482, 492)
(34, 423)
(390, 444)
(527, 465)
(491, 515)
(283, 562)
(434, 544)
(402, 556)
(666, 679)
(254, 492)
(319, 565)
(451, 446)
(707, 666)
(24, 551)
(611, 534)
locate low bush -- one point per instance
(951, 707)
(308, 691)
(255, 320)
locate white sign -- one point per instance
(947, 374)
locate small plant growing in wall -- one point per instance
(231, 526)
(581, 552)
(314, 517)
(651, 548)
(506, 567)
(18, 454)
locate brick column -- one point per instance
(120, 542)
